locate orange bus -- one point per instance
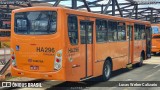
(5, 31)
(155, 28)
(155, 38)
(5, 34)
(63, 44)
(155, 43)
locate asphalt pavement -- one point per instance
(149, 72)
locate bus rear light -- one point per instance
(59, 55)
(13, 60)
(20, 73)
(12, 57)
(58, 60)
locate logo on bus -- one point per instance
(37, 61)
(72, 50)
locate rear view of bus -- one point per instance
(36, 42)
(155, 43)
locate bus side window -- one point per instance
(137, 32)
(73, 29)
(101, 30)
(121, 31)
(112, 31)
(143, 35)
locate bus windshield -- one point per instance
(155, 29)
(35, 22)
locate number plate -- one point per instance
(34, 67)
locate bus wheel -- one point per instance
(107, 69)
(141, 61)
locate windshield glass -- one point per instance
(36, 23)
(155, 30)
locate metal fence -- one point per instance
(4, 54)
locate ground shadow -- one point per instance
(95, 82)
(91, 82)
(156, 55)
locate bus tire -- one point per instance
(141, 61)
(107, 70)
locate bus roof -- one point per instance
(85, 13)
(109, 17)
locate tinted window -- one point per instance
(155, 29)
(143, 33)
(139, 32)
(148, 33)
(5, 33)
(101, 30)
(36, 23)
(73, 29)
(112, 31)
(86, 29)
(129, 32)
(121, 31)
(136, 32)
(5, 24)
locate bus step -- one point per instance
(86, 78)
(129, 66)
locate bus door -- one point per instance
(130, 43)
(86, 39)
(148, 41)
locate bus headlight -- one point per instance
(58, 60)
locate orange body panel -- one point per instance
(139, 46)
(155, 43)
(4, 38)
(73, 56)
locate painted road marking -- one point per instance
(156, 66)
(151, 74)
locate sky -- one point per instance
(154, 5)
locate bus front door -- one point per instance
(86, 39)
